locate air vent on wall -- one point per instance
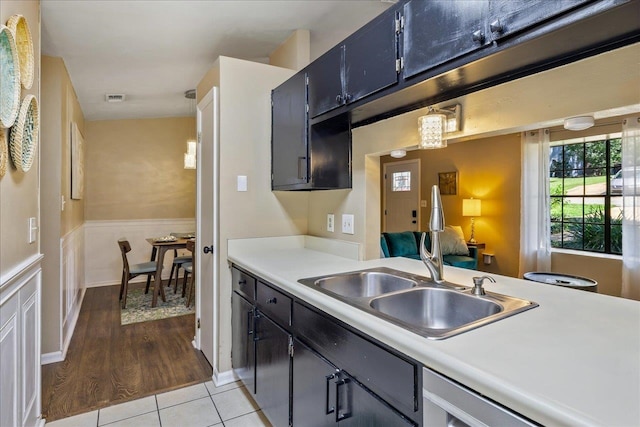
(114, 97)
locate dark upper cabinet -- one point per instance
(325, 82)
(364, 64)
(289, 137)
(507, 17)
(370, 58)
(439, 31)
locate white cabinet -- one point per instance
(20, 349)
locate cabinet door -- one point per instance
(313, 393)
(272, 370)
(358, 407)
(242, 345)
(370, 59)
(441, 30)
(507, 17)
(289, 140)
(326, 82)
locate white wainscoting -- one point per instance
(72, 282)
(20, 396)
(103, 262)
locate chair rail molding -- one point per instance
(103, 262)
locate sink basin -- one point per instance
(435, 308)
(415, 303)
(438, 313)
(363, 284)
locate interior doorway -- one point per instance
(207, 252)
(401, 196)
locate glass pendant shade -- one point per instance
(432, 130)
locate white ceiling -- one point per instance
(153, 51)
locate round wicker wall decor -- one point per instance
(9, 78)
(23, 138)
(4, 154)
(24, 44)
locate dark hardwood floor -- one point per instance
(108, 363)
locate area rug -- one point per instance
(139, 306)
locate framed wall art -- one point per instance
(448, 183)
(77, 163)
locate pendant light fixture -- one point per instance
(435, 126)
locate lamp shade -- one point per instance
(471, 207)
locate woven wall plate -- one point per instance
(23, 138)
(22, 35)
(9, 78)
(4, 154)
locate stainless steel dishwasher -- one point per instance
(446, 403)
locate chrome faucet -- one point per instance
(433, 260)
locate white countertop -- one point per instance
(574, 360)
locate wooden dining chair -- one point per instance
(178, 262)
(133, 270)
(189, 269)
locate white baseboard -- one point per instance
(222, 378)
(53, 357)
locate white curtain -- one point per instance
(631, 208)
(535, 221)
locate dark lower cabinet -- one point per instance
(323, 395)
(242, 345)
(303, 369)
(272, 370)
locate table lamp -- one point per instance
(471, 207)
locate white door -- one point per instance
(401, 196)
(207, 223)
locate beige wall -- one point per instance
(19, 191)
(135, 170)
(60, 108)
(293, 53)
(245, 149)
(486, 171)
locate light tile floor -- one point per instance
(200, 405)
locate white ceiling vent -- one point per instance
(114, 97)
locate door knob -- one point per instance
(208, 249)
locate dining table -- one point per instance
(160, 247)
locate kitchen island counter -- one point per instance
(574, 360)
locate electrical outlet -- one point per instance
(347, 224)
(330, 222)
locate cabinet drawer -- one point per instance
(386, 374)
(274, 304)
(244, 284)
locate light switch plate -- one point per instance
(33, 229)
(242, 183)
(423, 203)
(331, 219)
(347, 224)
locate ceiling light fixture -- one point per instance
(436, 124)
(579, 123)
(398, 154)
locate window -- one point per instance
(401, 181)
(586, 201)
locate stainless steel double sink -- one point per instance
(416, 303)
